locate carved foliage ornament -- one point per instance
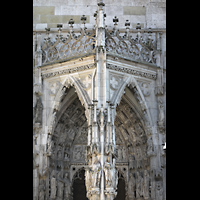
(138, 48)
(75, 44)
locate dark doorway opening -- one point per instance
(121, 193)
(79, 189)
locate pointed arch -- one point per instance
(132, 83)
(68, 82)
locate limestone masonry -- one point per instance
(99, 100)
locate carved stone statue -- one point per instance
(77, 153)
(96, 173)
(66, 157)
(145, 89)
(60, 185)
(67, 189)
(50, 145)
(53, 185)
(146, 185)
(108, 175)
(161, 116)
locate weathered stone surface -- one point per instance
(61, 19)
(99, 107)
(134, 10)
(43, 10)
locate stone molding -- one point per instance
(132, 71)
(68, 71)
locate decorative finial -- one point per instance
(149, 32)
(71, 22)
(59, 26)
(127, 24)
(47, 33)
(115, 20)
(101, 3)
(83, 19)
(138, 26)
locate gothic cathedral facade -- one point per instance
(99, 104)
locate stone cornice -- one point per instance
(68, 70)
(130, 70)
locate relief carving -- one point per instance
(145, 88)
(38, 110)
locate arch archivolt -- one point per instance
(130, 82)
(61, 92)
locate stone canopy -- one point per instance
(99, 111)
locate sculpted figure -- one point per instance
(60, 185)
(108, 176)
(161, 116)
(53, 185)
(50, 145)
(97, 173)
(67, 189)
(146, 185)
(77, 153)
(66, 156)
(145, 89)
